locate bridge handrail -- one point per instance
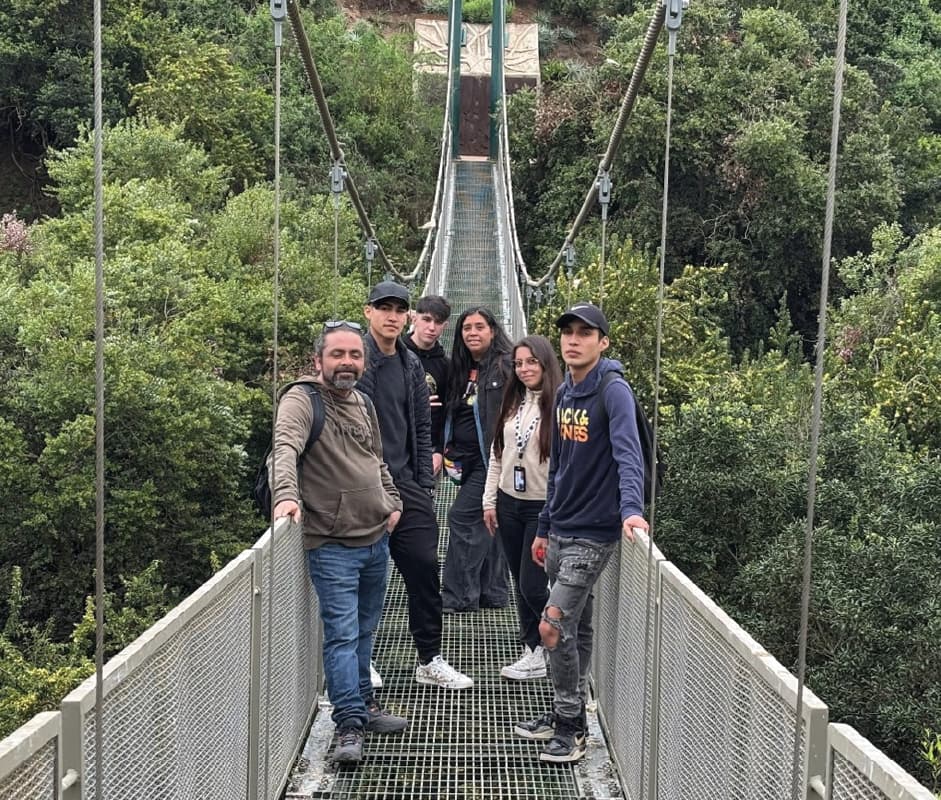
(168, 748)
(444, 175)
(732, 662)
(185, 703)
(507, 165)
(856, 768)
(514, 317)
(511, 259)
(28, 759)
(436, 245)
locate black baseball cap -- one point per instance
(388, 290)
(588, 313)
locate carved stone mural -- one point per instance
(520, 58)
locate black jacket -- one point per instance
(419, 412)
(437, 368)
(494, 372)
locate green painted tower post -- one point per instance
(454, 64)
(497, 40)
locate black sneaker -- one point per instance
(381, 721)
(567, 743)
(540, 728)
(349, 747)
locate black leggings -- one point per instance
(517, 521)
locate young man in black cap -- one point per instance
(595, 493)
(429, 319)
(395, 381)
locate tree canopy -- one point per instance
(188, 199)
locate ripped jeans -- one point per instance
(573, 566)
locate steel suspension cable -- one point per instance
(310, 67)
(99, 405)
(614, 142)
(839, 67)
(277, 16)
(674, 18)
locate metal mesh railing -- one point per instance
(512, 306)
(289, 695)
(29, 760)
(722, 702)
(624, 660)
(858, 771)
(177, 700)
(179, 709)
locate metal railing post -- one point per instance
(254, 689)
(71, 750)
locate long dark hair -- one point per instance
(515, 391)
(461, 359)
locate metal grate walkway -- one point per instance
(473, 277)
(459, 744)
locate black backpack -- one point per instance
(262, 490)
(652, 461)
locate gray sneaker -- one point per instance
(381, 721)
(349, 747)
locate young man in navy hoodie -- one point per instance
(594, 495)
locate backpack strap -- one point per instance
(644, 434)
(316, 404)
(606, 380)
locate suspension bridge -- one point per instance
(224, 696)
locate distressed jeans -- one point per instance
(573, 566)
(351, 586)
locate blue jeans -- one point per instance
(351, 586)
(573, 567)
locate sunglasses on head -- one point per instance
(330, 324)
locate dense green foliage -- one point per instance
(752, 103)
(189, 267)
(750, 145)
(188, 276)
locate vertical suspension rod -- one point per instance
(99, 404)
(307, 57)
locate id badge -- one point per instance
(519, 478)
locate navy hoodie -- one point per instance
(596, 470)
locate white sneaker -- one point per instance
(532, 664)
(374, 676)
(439, 672)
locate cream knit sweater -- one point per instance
(500, 471)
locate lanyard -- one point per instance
(522, 439)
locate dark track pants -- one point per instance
(474, 568)
(414, 549)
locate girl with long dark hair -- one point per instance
(474, 568)
(515, 491)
